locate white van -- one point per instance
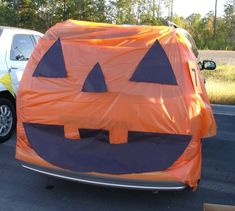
(16, 46)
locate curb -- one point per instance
(228, 110)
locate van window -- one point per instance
(36, 37)
(1, 30)
(21, 48)
(193, 44)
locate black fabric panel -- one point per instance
(52, 64)
(101, 135)
(95, 81)
(143, 153)
(155, 67)
(139, 136)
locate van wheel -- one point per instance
(7, 119)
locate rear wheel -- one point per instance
(7, 119)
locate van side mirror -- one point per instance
(207, 65)
(200, 65)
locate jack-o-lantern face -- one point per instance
(115, 109)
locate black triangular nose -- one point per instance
(52, 64)
(95, 81)
(154, 67)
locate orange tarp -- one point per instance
(119, 101)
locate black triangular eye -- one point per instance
(155, 67)
(52, 64)
(95, 81)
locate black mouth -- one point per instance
(144, 152)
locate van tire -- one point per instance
(8, 106)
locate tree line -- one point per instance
(209, 32)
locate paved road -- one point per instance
(21, 189)
(224, 57)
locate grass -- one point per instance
(220, 84)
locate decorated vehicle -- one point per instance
(112, 105)
(16, 46)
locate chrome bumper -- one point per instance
(108, 181)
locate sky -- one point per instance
(187, 7)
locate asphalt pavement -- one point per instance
(21, 189)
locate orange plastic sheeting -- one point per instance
(126, 105)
